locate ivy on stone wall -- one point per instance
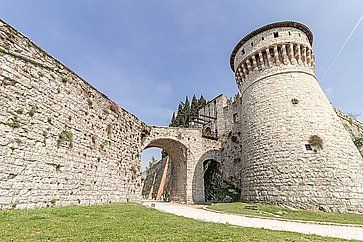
(358, 141)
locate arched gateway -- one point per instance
(188, 149)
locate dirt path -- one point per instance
(337, 231)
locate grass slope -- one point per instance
(125, 222)
(273, 211)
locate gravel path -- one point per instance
(337, 231)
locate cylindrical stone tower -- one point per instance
(295, 150)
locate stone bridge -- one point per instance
(188, 150)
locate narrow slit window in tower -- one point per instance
(276, 34)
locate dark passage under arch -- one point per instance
(216, 189)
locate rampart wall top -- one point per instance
(306, 37)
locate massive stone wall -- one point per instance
(61, 141)
(354, 127)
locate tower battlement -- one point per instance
(275, 48)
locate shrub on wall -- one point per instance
(114, 107)
(316, 141)
(65, 136)
(89, 102)
(14, 123)
(32, 111)
(109, 129)
(358, 141)
(135, 169)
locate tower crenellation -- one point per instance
(274, 48)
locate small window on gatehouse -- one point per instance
(276, 34)
(235, 118)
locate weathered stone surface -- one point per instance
(354, 127)
(62, 142)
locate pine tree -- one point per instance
(152, 162)
(172, 122)
(194, 108)
(179, 119)
(201, 102)
(186, 112)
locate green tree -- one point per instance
(201, 102)
(194, 108)
(179, 119)
(152, 162)
(186, 112)
(172, 122)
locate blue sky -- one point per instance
(147, 55)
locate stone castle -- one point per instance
(278, 141)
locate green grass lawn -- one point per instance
(125, 222)
(273, 211)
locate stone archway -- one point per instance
(177, 153)
(188, 149)
(198, 176)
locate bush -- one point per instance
(94, 139)
(13, 124)
(32, 111)
(5, 46)
(109, 129)
(135, 169)
(89, 102)
(65, 80)
(358, 141)
(20, 111)
(65, 136)
(316, 141)
(114, 107)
